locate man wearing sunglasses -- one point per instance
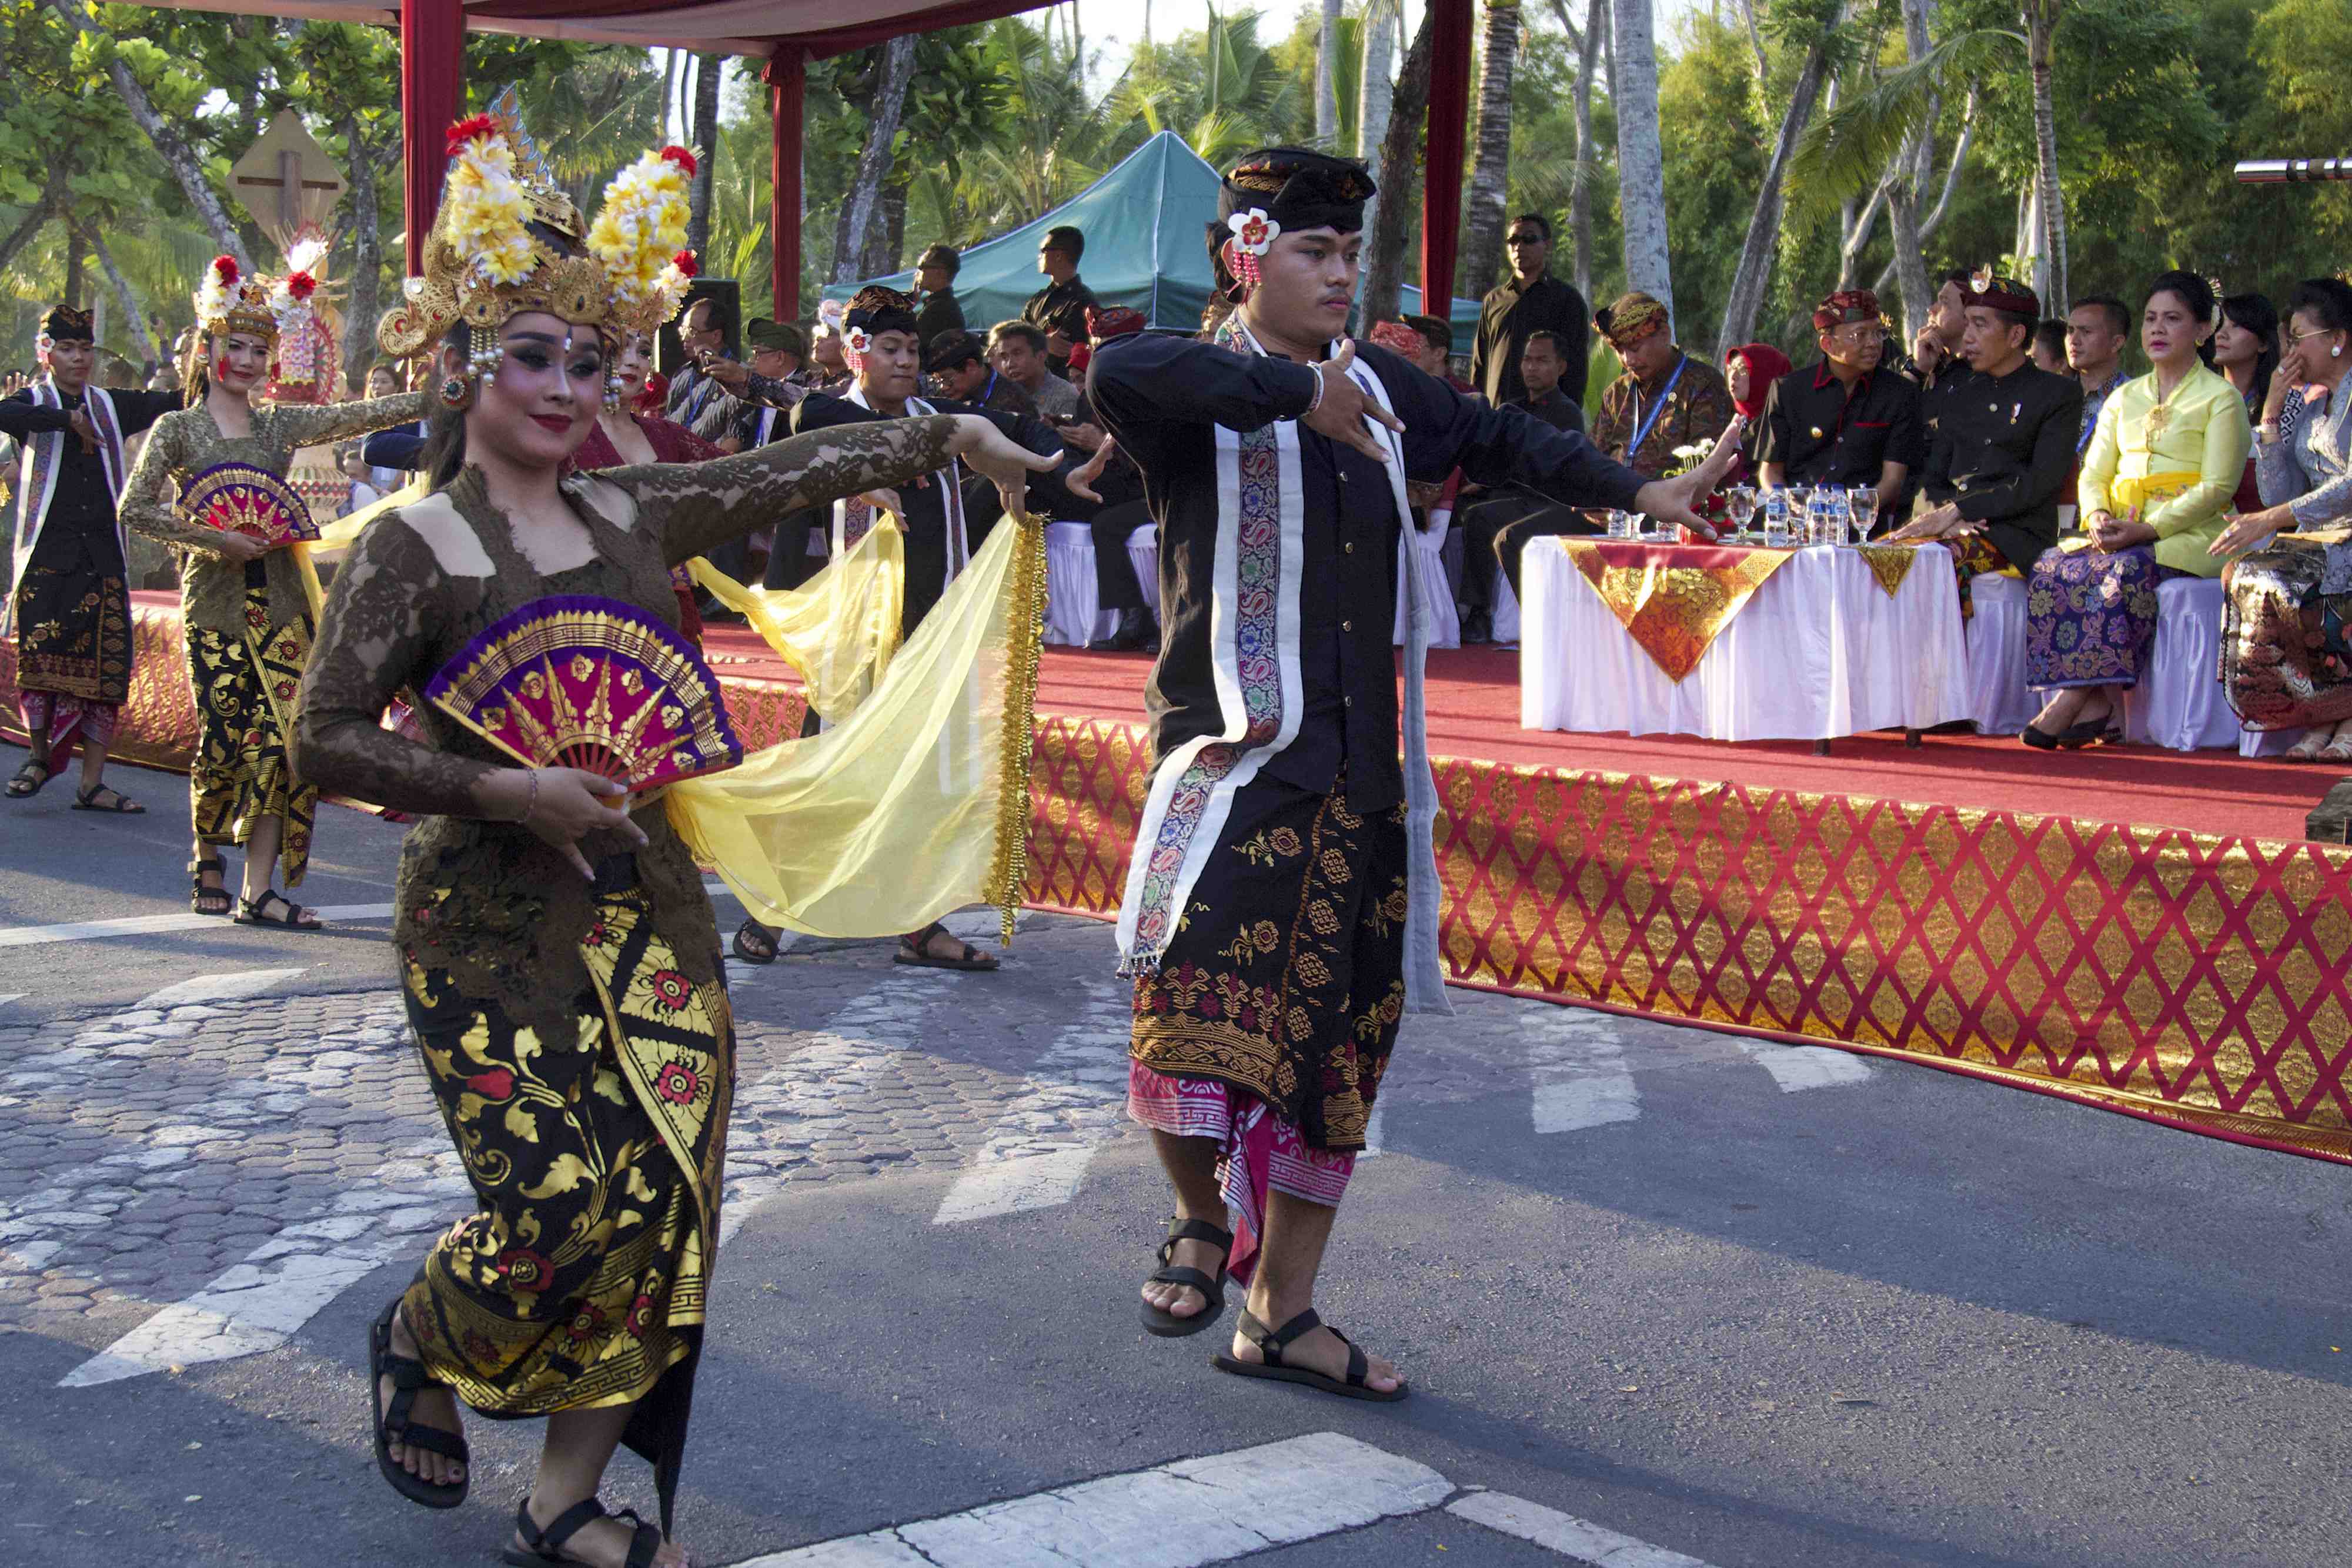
(1530, 300)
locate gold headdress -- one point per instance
(507, 240)
(261, 306)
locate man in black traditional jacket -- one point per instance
(1281, 910)
(70, 591)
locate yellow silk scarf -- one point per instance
(2133, 496)
(840, 628)
(913, 801)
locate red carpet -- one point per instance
(1474, 714)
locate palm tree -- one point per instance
(1641, 154)
(1756, 255)
(2040, 18)
(1490, 164)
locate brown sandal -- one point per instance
(916, 949)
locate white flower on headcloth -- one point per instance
(856, 340)
(829, 313)
(1253, 230)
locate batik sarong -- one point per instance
(1974, 556)
(2284, 655)
(73, 654)
(1269, 1022)
(581, 1281)
(2089, 616)
(245, 690)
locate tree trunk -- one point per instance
(1326, 80)
(874, 163)
(1763, 243)
(137, 317)
(1580, 195)
(2049, 282)
(1935, 218)
(170, 145)
(706, 151)
(1641, 156)
(669, 90)
(1911, 170)
(1399, 155)
(1375, 89)
(1490, 166)
(886, 240)
(23, 233)
(77, 285)
(367, 256)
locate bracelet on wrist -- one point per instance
(1317, 401)
(531, 806)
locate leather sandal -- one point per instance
(1272, 1341)
(122, 805)
(205, 900)
(1167, 1325)
(753, 943)
(916, 949)
(392, 1426)
(542, 1546)
(255, 912)
(30, 780)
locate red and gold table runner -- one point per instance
(1674, 600)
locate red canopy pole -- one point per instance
(432, 89)
(787, 77)
(1449, 111)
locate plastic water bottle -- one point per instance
(1775, 518)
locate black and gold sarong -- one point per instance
(246, 689)
(581, 1281)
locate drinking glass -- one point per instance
(1743, 507)
(1862, 503)
(1621, 525)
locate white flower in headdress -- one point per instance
(829, 313)
(856, 340)
(1254, 232)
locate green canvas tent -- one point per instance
(1146, 248)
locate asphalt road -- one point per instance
(1722, 1304)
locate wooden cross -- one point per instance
(286, 176)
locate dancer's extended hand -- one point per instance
(1345, 408)
(1675, 500)
(1003, 461)
(1080, 481)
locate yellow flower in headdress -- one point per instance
(484, 211)
(639, 234)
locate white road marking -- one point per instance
(241, 985)
(1579, 1071)
(260, 1303)
(152, 925)
(1072, 1102)
(1180, 1515)
(11, 997)
(1796, 1068)
(1578, 1540)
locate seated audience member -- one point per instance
(1997, 459)
(1498, 524)
(1665, 399)
(1120, 509)
(1436, 353)
(2097, 328)
(960, 371)
(2286, 655)
(1845, 421)
(1018, 352)
(2246, 350)
(2156, 479)
(1750, 371)
(935, 274)
(1935, 355)
(828, 369)
(2050, 346)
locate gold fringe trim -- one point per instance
(1024, 633)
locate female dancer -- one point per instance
(559, 954)
(247, 616)
(2162, 465)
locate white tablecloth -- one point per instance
(1820, 651)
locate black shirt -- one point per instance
(2001, 450)
(1823, 433)
(79, 527)
(1555, 408)
(1060, 307)
(939, 313)
(1509, 316)
(1161, 397)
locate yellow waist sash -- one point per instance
(2129, 496)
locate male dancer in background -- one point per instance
(69, 590)
(1281, 912)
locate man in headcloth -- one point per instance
(2004, 439)
(70, 594)
(1664, 400)
(1281, 913)
(1848, 421)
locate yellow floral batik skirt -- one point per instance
(582, 1279)
(246, 687)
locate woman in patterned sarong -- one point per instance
(2286, 655)
(245, 608)
(558, 953)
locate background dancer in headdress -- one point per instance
(70, 596)
(557, 949)
(1281, 913)
(245, 604)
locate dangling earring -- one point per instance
(613, 391)
(457, 392)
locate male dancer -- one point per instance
(1281, 912)
(70, 596)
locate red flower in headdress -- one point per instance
(681, 157)
(301, 285)
(684, 261)
(464, 131)
(224, 268)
